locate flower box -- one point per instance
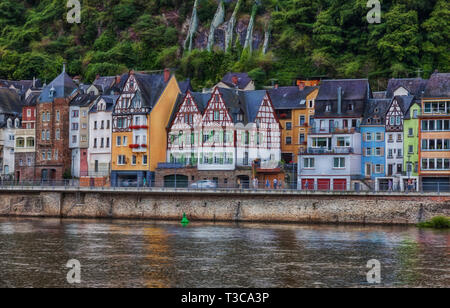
(143, 145)
(133, 146)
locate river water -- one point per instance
(34, 253)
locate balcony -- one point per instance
(335, 150)
(334, 130)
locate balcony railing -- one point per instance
(334, 150)
(334, 130)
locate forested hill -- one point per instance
(305, 38)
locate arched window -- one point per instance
(20, 143)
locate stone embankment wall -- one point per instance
(226, 206)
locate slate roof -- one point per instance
(354, 91)
(185, 86)
(438, 86)
(63, 86)
(110, 102)
(83, 100)
(10, 101)
(104, 83)
(290, 97)
(243, 80)
(376, 109)
(31, 100)
(415, 86)
(21, 85)
(151, 86)
(405, 102)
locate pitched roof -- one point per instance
(63, 86)
(104, 83)
(242, 80)
(31, 100)
(375, 109)
(10, 101)
(355, 92)
(185, 86)
(404, 102)
(83, 100)
(438, 86)
(290, 97)
(414, 86)
(110, 101)
(151, 86)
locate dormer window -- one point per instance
(240, 117)
(351, 107)
(52, 92)
(17, 123)
(328, 108)
(9, 123)
(376, 110)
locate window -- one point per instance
(57, 134)
(48, 116)
(84, 126)
(49, 155)
(56, 154)
(308, 163)
(57, 116)
(121, 159)
(368, 151)
(377, 168)
(301, 138)
(288, 125)
(410, 149)
(415, 114)
(75, 113)
(43, 135)
(95, 124)
(350, 107)
(302, 120)
(399, 137)
(95, 143)
(43, 155)
(48, 135)
(125, 141)
(133, 160)
(343, 141)
(28, 112)
(74, 126)
(288, 140)
(29, 162)
(379, 137)
(216, 115)
(108, 124)
(378, 152)
(103, 125)
(368, 136)
(107, 142)
(398, 120)
(410, 132)
(74, 139)
(328, 108)
(118, 141)
(339, 162)
(399, 153)
(144, 160)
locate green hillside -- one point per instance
(308, 38)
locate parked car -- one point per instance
(204, 184)
(129, 183)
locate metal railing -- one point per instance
(242, 185)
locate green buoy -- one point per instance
(184, 221)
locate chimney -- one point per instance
(234, 80)
(166, 75)
(64, 67)
(339, 106)
(301, 86)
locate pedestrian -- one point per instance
(256, 183)
(306, 185)
(267, 184)
(390, 185)
(145, 182)
(275, 182)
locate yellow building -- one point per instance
(140, 118)
(295, 110)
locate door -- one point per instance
(339, 184)
(308, 184)
(323, 184)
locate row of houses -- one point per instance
(140, 129)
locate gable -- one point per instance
(401, 91)
(266, 114)
(216, 111)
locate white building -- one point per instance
(332, 160)
(100, 137)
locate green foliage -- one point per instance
(438, 222)
(308, 38)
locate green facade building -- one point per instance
(411, 140)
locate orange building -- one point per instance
(295, 110)
(434, 134)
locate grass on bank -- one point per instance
(438, 222)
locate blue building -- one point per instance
(373, 162)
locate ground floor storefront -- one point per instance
(191, 177)
(24, 166)
(132, 178)
(325, 183)
(435, 183)
(397, 183)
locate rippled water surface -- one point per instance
(34, 252)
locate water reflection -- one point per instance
(33, 253)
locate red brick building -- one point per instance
(53, 156)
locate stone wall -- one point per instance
(251, 207)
